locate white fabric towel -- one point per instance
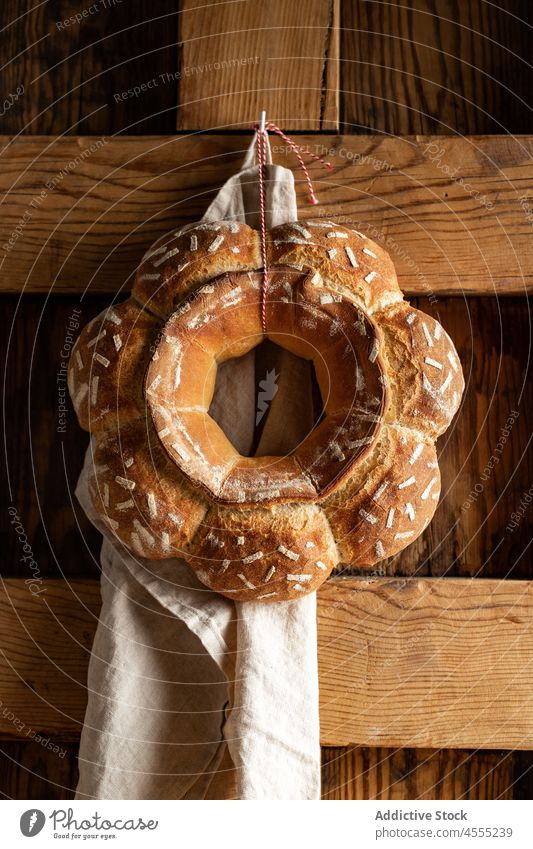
(191, 695)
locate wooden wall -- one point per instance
(357, 67)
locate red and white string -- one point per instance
(262, 142)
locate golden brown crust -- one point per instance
(107, 366)
(166, 479)
(266, 480)
(223, 319)
(346, 259)
(264, 555)
(389, 500)
(180, 262)
(140, 495)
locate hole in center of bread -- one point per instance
(240, 412)
(283, 405)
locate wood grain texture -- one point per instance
(46, 632)
(415, 774)
(396, 78)
(426, 663)
(43, 465)
(81, 212)
(76, 73)
(29, 771)
(436, 67)
(445, 67)
(237, 58)
(416, 663)
(485, 456)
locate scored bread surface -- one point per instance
(168, 482)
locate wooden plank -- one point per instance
(65, 95)
(439, 67)
(46, 632)
(239, 58)
(77, 72)
(44, 454)
(28, 770)
(485, 458)
(427, 663)
(31, 46)
(447, 68)
(415, 774)
(108, 199)
(522, 775)
(420, 663)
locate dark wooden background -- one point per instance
(410, 67)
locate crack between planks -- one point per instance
(330, 32)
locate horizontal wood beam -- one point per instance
(455, 213)
(403, 662)
(437, 663)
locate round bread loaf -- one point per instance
(169, 483)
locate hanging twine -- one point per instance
(262, 133)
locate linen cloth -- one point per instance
(192, 695)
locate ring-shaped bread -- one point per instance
(166, 479)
